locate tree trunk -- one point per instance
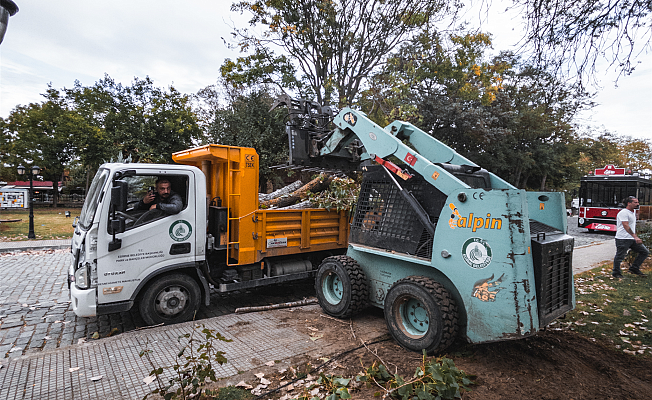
(517, 177)
(319, 183)
(88, 178)
(543, 183)
(55, 193)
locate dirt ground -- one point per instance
(550, 365)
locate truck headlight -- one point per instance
(82, 276)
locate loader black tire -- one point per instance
(421, 315)
(170, 299)
(341, 286)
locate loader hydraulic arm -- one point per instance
(428, 160)
(356, 139)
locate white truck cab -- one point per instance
(123, 252)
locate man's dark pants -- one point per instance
(622, 245)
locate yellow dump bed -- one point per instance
(253, 234)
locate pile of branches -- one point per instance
(321, 192)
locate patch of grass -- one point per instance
(49, 223)
(617, 311)
(232, 393)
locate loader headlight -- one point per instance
(82, 276)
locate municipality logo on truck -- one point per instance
(476, 252)
(180, 230)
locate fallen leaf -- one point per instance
(626, 313)
(81, 340)
(270, 363)
(149, 379)
(313, 338)
(259, 375)
(629, 326)
(265, 381)
(312, 329)
(314, 392)
(46, 337)
(73, 369)
(114, 331)
(96, 335)
(244, 385)
(96, 378)
(325, 359)
(15, 349)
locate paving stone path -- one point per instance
(36, 315)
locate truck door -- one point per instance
(153, 240)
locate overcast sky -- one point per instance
(180, 43)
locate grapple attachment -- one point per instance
(309, 127)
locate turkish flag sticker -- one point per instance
(411, 159)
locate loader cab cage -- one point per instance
(383, 219)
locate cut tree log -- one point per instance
(319, 183)
(282, 191)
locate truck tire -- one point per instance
(170, 299)
(421, 315)
(341, 286)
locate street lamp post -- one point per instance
(33, 171)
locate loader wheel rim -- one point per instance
(333, 288)
(412, 317)
(171, 301)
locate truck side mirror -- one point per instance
(119, 195)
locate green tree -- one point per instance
(334, 45)
(434, 67)
(246, 121)
(44, 135)
(637, 153)
(140, 120)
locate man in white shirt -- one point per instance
(626, 239)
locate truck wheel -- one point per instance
(170, 299)
(421, 315)
(341, 286)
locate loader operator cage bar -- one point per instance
(384, 219)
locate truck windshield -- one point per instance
(92, 199)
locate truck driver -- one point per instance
(163, 199)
